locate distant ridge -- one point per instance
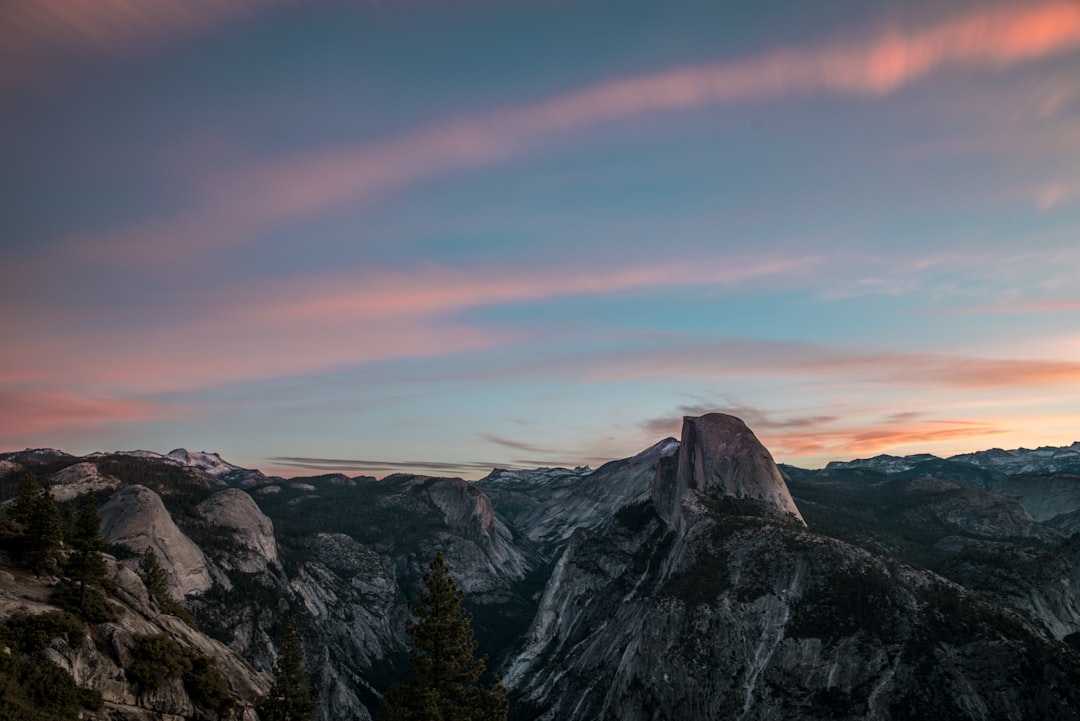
(1045, 459)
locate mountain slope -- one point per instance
(726, 607)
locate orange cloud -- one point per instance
(820, 444)
(237, 208)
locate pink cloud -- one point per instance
(28, 414)
(238, 207)
(318, 324)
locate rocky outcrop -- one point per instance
(100, 659)
(253, 549)
(135, 517)
(1052, 498)
(970, 511)
(720, 457)
(80, 478)
(482, 549)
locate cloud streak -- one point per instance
(313, 325)
(237, 208)
(510, 443)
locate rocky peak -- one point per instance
(79, 478)
(467, 509)
(719, 456)
(136, 518)
(253, 531)
(548, 504)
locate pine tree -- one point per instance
(157, 587)
(153, 577)
(23, 507)
(44, 531)
(86, 565)
(289, 699)
(445, 684)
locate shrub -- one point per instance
(32, 688)
(157, 659)
(206, 684)
(88, 602)
(30, 634)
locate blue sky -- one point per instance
(445, 236)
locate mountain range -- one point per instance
(695, 580)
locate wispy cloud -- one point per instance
(510, 443)
(314, 325)
(237, 208)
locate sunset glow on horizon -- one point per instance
(448, 235)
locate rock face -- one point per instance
(136, 518)
(548, 504)
(755, 617)
(712, 600)
(1053, 498)
(971, 511)
(486, 551)
(254, 548)
(720, 456)
(984, 541)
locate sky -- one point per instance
(441, 236)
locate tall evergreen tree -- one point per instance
(86, 566)
(23, 507)
(289, 699)
(44, 531)
(445, 684)
(153, 577)
(157, 587)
